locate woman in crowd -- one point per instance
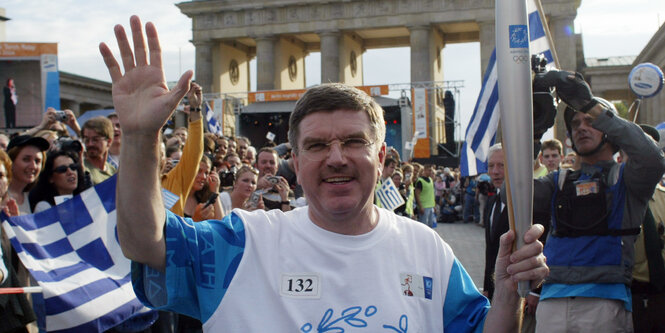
(61, 178)
(243, 187)
(205, 187)
(27, 155)
(15, 310)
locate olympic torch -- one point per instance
(515, 102)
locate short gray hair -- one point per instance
(493, 149)
(331, 97)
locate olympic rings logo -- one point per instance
(523, 59)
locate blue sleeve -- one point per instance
(465, 308)
(201, 259)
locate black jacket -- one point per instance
(493, 233)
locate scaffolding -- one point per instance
(235, 103)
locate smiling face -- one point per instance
(201, 178)
(96, 144)
(64, 178)
(27, 164)
(222, 148)
(341, 186)
(266, 163)
(397, 179)
(181, 133)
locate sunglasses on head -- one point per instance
(63, 168)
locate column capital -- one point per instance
(486, 22)
(418, 27)
(328, 33)
(266, 38)
(203, 43)
(563, 17)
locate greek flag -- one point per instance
(388, 195)
(481, 131)
(214, 126)
(72, 251)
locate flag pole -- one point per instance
(21, 290)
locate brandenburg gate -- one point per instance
(227, 34)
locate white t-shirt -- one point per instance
(24, 208)
(225, 199)
(279, 272)
(44, 205)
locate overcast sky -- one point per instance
(609, 28)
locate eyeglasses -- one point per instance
(94, 139)
(351, 147)
(63, 168)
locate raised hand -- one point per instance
(195, 95)
(140, 96)
(571, 88)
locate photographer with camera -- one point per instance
(52, 117)
(276, 188)
(595, 211)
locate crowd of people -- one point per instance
(306, 211)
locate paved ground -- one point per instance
(468, 243)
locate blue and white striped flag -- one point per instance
(388, 195)
(481, 131)
(72, 251)
(214, 126)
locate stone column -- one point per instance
(421, 69)
(203, 64)
(330, 56)
(487, 43)
(181, 120)
(265, 63)
(75, 107)
(563, 34)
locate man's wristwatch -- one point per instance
(195, 109)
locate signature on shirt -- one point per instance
(353, 316)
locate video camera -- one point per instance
(227, 178)
(69, 144)
(544, 107)
(539, 64)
